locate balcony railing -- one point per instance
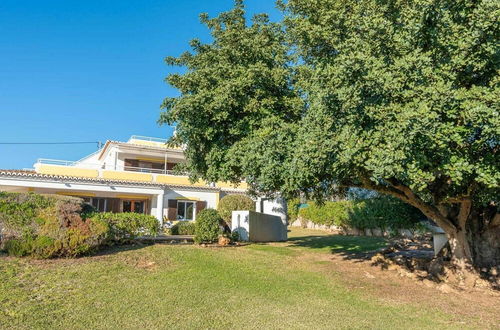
(148, 138)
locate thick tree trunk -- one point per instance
(473, 230)
(477, 245)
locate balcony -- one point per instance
(124, 173)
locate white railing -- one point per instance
(148, 138)
(56, 162)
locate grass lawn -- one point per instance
(168, 286)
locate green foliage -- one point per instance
(183, 228)
(243, 74)
(292, 207)
(127, 226)
(400, 97)
(18, 247)
(17, 210)
(235, 236)
(231, 203)
(329, 213)
(48, 226)
(383, 212)
(208, 226)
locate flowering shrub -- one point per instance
(48, 226)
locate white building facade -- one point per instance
(133, 176)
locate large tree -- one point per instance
(400, 97)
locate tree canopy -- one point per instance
(400, 97)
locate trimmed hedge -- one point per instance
(330, 213)
(183, 228)
(208, 226)
(231, 203)
(382, 212)
(48, 226)
(386, 213)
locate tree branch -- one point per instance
(406, 194)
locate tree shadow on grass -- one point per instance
(350, 247)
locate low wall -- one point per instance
(377, 232)
(258, 227)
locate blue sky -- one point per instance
(90, 70)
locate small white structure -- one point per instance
(258, 227)
(439, 240)
(275, 206)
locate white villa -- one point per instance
(132, 176)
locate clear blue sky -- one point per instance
(90, 70)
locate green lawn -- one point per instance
(164, 286)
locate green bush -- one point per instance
(183, 228)
(18, 247)
(381, 212)
(384, 212)
(329, 213)
(292, 207)
(127, 226)
(47, 226)
(208, 226)
(235, 236)
(231, 203)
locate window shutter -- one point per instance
(172, 209)
(200, 205)
(115, 204)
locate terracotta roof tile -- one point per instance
(48, 177)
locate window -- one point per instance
(99, 204)
(133, 206)
(185, 210)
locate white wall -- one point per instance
(258, 227)
(274, 207)
(209, 196)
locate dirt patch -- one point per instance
(399, 287)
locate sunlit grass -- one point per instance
(161, 286)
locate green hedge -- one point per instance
(386, 213)
(183, 228)
(383, 212)
(292, 208)
(48, 226)
(231, 203)
(330, 213)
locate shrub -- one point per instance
(127, 226)
(18, 247)
(47, 226)
(383, 212)
(235, 236)
(207, 226)
(183, 228)
(329, 213)
(292, 207)
(231, 203)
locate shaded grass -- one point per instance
(322, 241)
(162, 286)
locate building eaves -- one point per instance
(33, 176)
